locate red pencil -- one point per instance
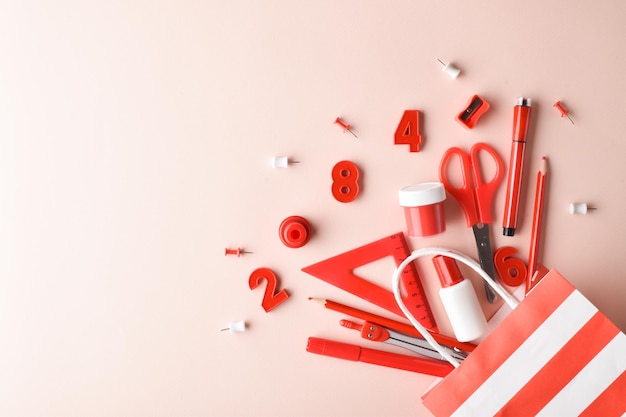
(392, 324)
(535, 235)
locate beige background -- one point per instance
(135, 146)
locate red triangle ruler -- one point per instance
(339, 271)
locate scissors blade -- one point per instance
(485, 256)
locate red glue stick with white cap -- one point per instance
(459, 300)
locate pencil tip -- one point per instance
(544, 164)
(319, 301)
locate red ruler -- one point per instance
(339, 271)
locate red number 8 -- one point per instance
(345, 181)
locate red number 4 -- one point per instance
(408, 131)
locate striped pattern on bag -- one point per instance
(554, 355)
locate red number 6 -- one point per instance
(512, 271)
(271, 298)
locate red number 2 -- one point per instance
(271, 298)
(408, 131)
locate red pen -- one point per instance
(521, 119)
(378, 357)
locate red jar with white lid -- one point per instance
(424, 208)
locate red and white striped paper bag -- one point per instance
(554, 355)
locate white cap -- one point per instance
(280, 162)
(422, 194)
(578, 208)
(452, 71)
(236, 326)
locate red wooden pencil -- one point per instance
(535, 235)
(392, 324)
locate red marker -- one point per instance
(521, 119)
(378, 357)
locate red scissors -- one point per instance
(475, 197)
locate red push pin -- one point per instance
(237, 252)
(344, 126)
(564, 112)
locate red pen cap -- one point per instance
(521, 119)
(334, 349)
(448, 271)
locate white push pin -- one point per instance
(579, 208)
(452, 71)
(282, 162)
(236, 326)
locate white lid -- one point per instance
(452, 71)
(422, 194)
(280, 162)
(237, 326)
(578, 208)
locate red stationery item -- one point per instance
(459, 301)
(272, 298)
(476, 107)
(344, 126)
(408, 131)
(237, 251)
(345, 187)
(423, 208)
(377, 357)
(535, 232)
(554, 354)
(294, 231)
(392, 324)
(564, 112)
(521, 120)
(511, 270)
(475, 195)
(338, 271)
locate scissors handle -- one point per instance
(485, 191)
(463, 194)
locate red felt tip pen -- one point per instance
(378, 357)
(521, 119)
